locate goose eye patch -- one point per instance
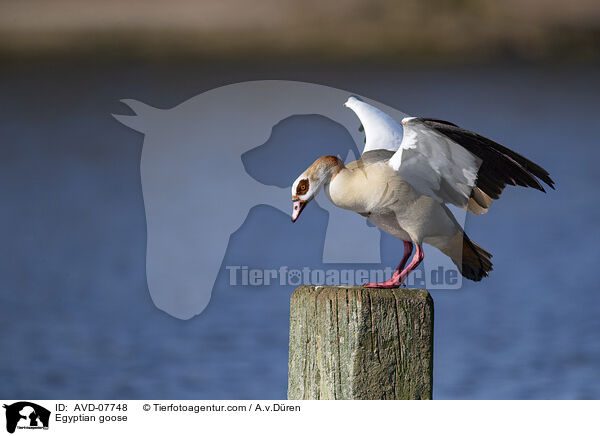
(302, 187)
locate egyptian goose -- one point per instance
(406, 176)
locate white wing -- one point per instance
(382, 131)
(431, 162)
(434, 164)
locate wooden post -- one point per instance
(360, 343)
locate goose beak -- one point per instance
(299, 205)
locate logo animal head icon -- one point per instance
(26, 414)
(200, 179)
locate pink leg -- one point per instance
(415, 262)
(408, 249)
(397, 279)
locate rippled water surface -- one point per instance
(76, 317)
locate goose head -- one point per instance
(310, 182)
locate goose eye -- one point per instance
(302, 187)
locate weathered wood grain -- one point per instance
(360, 343)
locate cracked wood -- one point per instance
(360, 343)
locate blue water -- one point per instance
(75, 313)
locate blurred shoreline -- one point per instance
(381, 31)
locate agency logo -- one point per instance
(211, 165)
(26, 415)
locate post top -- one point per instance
(402, 293)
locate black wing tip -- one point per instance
(529, 170)
(534, 181)
(548, 181)
(543, 175)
